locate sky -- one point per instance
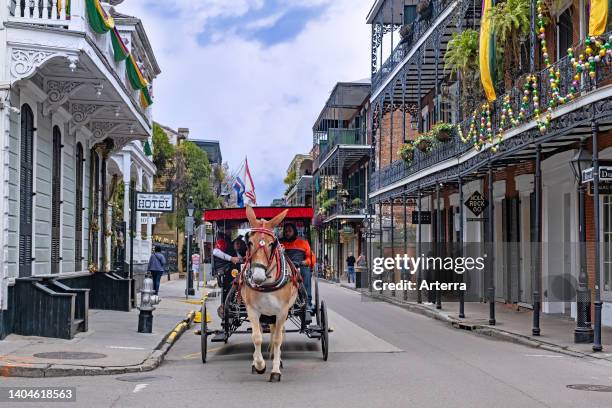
(253, 74)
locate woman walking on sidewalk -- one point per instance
(157, 262)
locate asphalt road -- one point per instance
(381, 356)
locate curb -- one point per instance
(155, 358)
(480, 330)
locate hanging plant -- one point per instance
(425, 9)
(424, 142)
(461, 59)
(442, 131)
(406, 152)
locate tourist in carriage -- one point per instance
(223, 262)
(298, 251)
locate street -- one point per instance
(381, 355)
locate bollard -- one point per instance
(148, 300)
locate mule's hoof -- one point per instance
(275, 377)
(254, 370)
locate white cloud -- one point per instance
(258, 101)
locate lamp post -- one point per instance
(189, 227)
(583, 333)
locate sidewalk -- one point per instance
(111, 346)
(557, 333)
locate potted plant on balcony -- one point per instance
(406, 152)
(461, 59)
(406, 32)
(424, 142)
(356, 203)
(442, 131)
(425, 9)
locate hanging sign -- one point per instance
(144, 219)
(476, 203)
(160, 202)
(605, 174)
(424, 215)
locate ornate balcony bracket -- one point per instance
(58, 93)
(24, 61)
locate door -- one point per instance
(26, 179)
(56, 176)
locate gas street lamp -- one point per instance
(583, 333)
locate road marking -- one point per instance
(140, 387)
(543, 355)
(125, 348)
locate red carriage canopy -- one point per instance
(236, 214)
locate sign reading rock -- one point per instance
(160, 202)
(476, 203)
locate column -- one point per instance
(490, 253)
(537, 262)
(461, 249)
(596, 220)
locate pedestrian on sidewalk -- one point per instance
(157, 263)
(350, 263)
(195, 266)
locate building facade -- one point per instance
(439, 143)
(299, 181)
(341, 150)
(75, 113)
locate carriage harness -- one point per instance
(286, 271)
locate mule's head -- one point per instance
(262, 244)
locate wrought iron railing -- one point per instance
(419, 27)
(335, 137)
(399, 170)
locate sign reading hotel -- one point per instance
(154, 202)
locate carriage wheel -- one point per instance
(204, 333)
(324, 332)
(226, 311)
(317, 306)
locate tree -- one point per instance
(163, 151)
(192, 179)
(462, 58)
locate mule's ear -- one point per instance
(278, 219)
(251, 216)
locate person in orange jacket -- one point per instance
(298, 251)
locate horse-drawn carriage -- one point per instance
(261, 225)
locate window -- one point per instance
(78, 208)
(56, 188)
(565, 33)
(409, 14)
(26, 178)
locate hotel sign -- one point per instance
(154, 202)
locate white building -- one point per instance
(72, 116)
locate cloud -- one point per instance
(259, 81)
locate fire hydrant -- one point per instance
(148, 300)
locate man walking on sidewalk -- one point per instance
(350, 263)
(157, 262)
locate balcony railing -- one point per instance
(399, 170)
(45, 12)
(418, 30)
(335, 137)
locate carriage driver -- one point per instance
(298, 251)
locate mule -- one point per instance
(269, 287)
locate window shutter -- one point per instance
(78, 209)
(25, 198)
(56, 183)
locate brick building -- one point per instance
(524, 167)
